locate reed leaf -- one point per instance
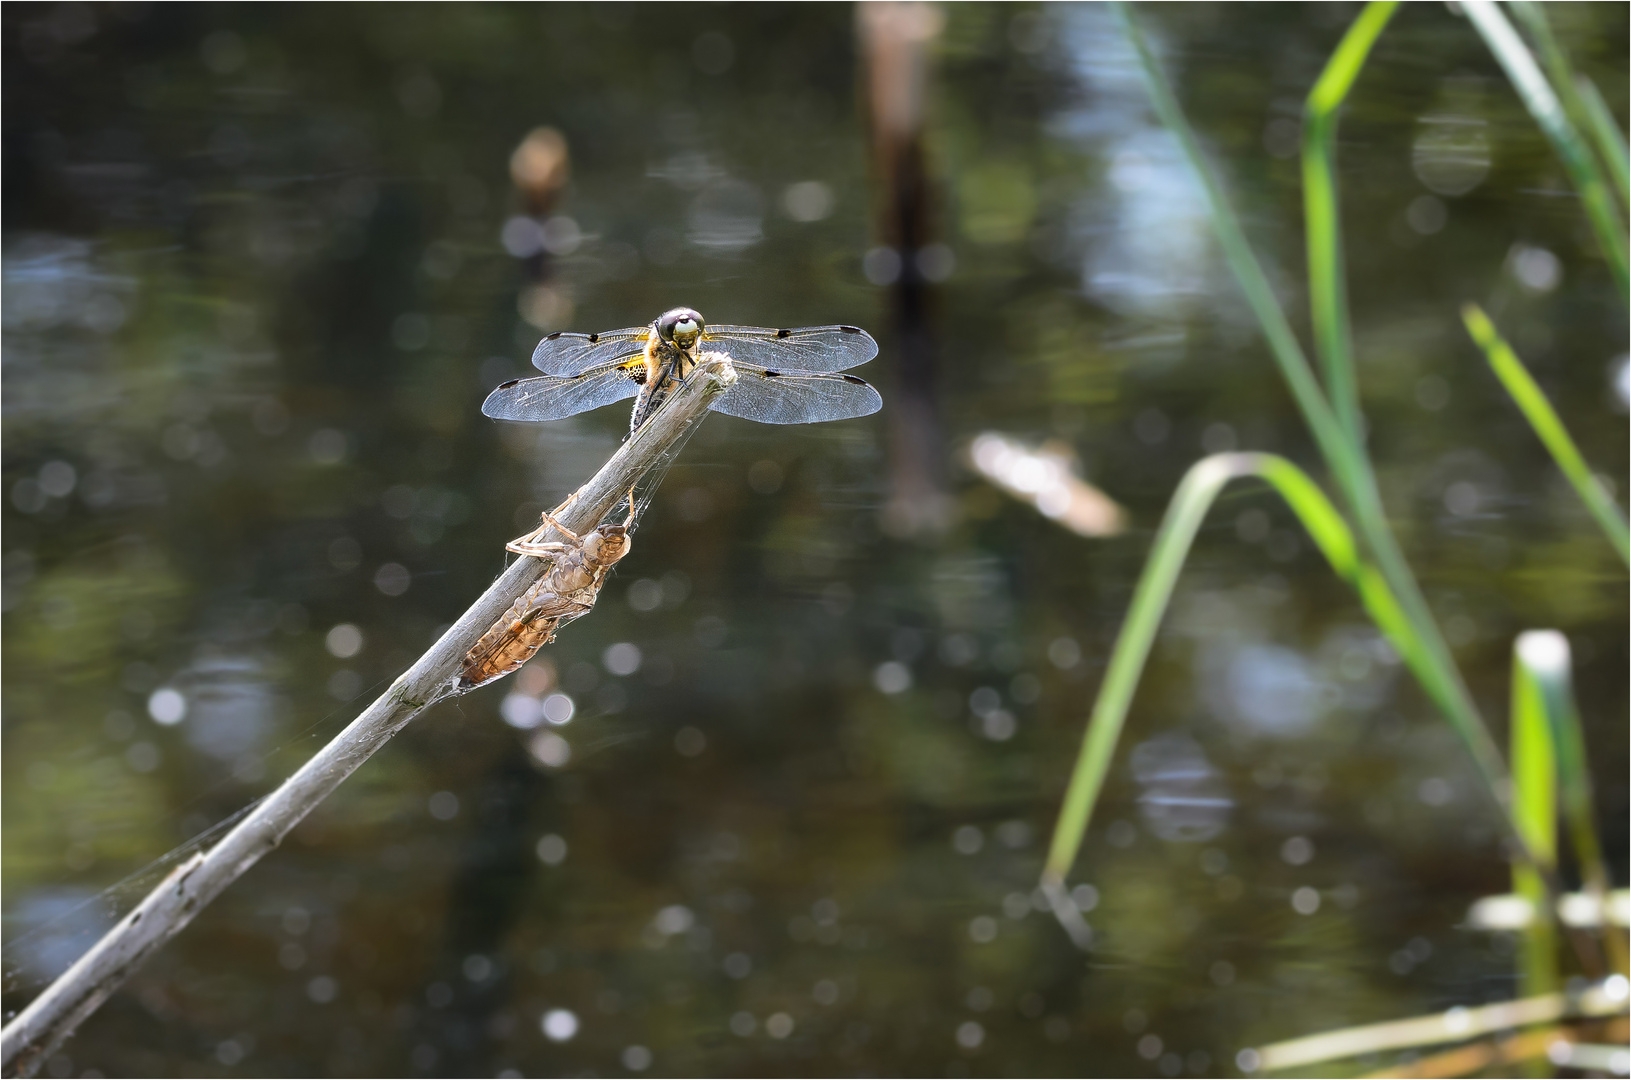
(1452, 1026)
(1344, 456)
(1543, 673)
(1194, 497)
(1544, 105)
(1576, 91)
(1536, 409)
(1327, 279)
(1606, 133)
(1534, 804)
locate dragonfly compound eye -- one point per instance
(681, 326)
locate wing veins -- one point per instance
(566, 354)
(796, 397)
(551, 397)
(804, 348)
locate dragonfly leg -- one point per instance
(549, 515)
(525, 545)
(529, 544)
(551, 520)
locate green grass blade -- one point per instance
(1543, 104)
(1575, 91)
(1193, 498)
(1188, 508)
(1332, 536)
(1531, 401)
(1534, 803)
(1542, 656)
(1343, 456)
(1327, 285)
(1606, 133)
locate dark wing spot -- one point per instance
(853, 379)
(507, 385)
(772, 374)
(552, 337)
(593, 338)
(851, 329)
(784, 333)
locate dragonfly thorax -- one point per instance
(607, 544)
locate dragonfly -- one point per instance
(783, 376)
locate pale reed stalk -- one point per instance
(38, 1030)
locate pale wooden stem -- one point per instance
(50, 1018)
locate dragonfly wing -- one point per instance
(574, 354)
(796, 397)
(550, 397)
(807, 348)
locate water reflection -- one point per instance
(1145, 232)
(1271, 690)
(727, 216)
(51, 281)
(1184, 797)
(53, 927)
(1154, 235)
(259, 276)
(1451, 153)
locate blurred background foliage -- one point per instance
(261, 265)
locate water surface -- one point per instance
(779, 804)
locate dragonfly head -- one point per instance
(680, 326)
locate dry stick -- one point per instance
(28, 1040)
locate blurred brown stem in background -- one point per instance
(895, 41)
(540, 168)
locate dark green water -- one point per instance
(256, 287)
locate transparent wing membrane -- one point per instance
(807, 348)
(796, 397)
(549, 397)
(784, 376)
(574, 354)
